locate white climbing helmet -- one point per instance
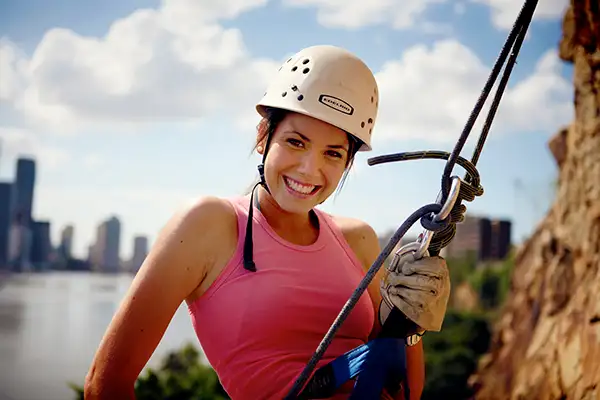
(330, 84)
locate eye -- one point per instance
(335, 154)
(294, 142)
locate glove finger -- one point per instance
(402, 298)
(416, 282)
(399, 261)
(430, 266)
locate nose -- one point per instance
(310, 163)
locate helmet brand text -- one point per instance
(337, 104)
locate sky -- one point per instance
(133, 108)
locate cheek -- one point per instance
(334, 173)
(277, 160)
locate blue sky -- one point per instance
(131, 121)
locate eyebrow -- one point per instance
(331, 146)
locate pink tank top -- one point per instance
(259, 329)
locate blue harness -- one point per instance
(376, 365)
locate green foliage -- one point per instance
(181, 376)
(451, 355)
(462, 268)
(492, 282)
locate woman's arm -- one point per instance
(365, 243)
(176, 265)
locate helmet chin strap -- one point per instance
(248, 244)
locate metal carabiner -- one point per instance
(427, 235)
(419, 246)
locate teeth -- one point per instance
(305, 189)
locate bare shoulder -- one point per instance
(197, 237)
(202, 218)
(361, 237)
(203, 235)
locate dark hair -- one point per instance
(267, 126)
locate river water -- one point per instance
(51, 325)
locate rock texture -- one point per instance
(546, 344)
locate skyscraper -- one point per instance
(25, 184)
(112, 241)
(7, 198)
(140, 251)
(41, 245)
(66, 242)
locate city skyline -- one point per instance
(26, 242)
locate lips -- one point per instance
(301, 188)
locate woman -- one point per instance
(263, 283)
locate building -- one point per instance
(41, 244)
(485, 239)
(19, 244)
(66, 242)
(501, 239)
(140, 251)
(7, 199)
(111, 251)
(25, 185)
(104, 254)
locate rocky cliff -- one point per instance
(546, 343)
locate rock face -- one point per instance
(546, 344)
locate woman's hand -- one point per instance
(418, 288)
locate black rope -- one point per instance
(470, 188)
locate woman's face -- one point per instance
(305, 162)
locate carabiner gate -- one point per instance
(425, 238)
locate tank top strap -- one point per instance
(337, 235)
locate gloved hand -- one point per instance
(418, 288)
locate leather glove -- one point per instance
(418, 288)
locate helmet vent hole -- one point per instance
(362, 124)
(283, 94)
(294, 68)
(305, 61)
(305, 70)
(370, 130)
(372, 99)
(300, 97)
(370, 120)
(289, 59)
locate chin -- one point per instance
(296, 203)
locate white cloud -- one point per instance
(425, 96)
(353, 14)
(13, 69)
(504, 12)
(175, 62)
(18, 142)
(403, 14)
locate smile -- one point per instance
(300, 188)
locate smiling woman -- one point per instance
(264, 275)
